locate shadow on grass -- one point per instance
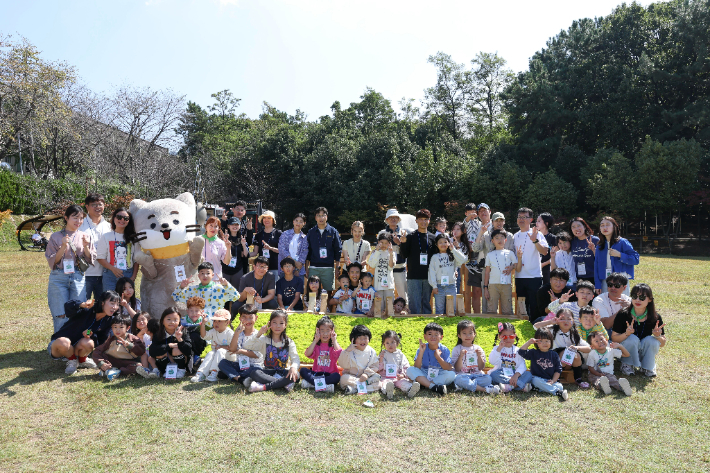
(40, 368)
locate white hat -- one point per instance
(392, 213)
(268, 213)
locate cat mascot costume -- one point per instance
(165, 248)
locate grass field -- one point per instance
(54, 422)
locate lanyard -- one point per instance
(527, 237)
(498, 265)
(271, 237)
(70, 247)
(357, 256)
(426, 243)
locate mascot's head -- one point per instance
(165, 223)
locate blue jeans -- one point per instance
(330, 378)
(419, 293)
(61, 289)
(643, 352)
(440, 297)
(231, 369)
(471, 381)
(110, 279)
(442, 378)
(94, 287)
(542, 385)
(527, 288)
(499, 378)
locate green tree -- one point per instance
(548, 192)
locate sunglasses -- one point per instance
(123, 217)
(508, 337)
(641, 297)
(616, 285)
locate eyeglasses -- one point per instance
(641, 297)
(123, 217)
(616, 285)
(508, 337)
(96, 205)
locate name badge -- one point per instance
(581, 269)
(365, 304)
(320, 385)
(608, 272)
(121, 263)
(362, 387)
(243, 362)
(384, 282)
(505, 279)
(471, 359)
(390, 370)
(568, 356)
(68, 266)
(508, 371)
(233, 262)
(323, 252)
(171, 371)
(444, 280)
(432, 373)
(423, 259)
(265, 253)
(180, 273)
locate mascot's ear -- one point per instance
(186, 198)
(201, 214)
(136, 204)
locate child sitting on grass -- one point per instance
(169, 345)
(247, 360)
(192, 323)
(509, 370)
(601, 364)
(220, 336)
(565, 335)
(432, 365)
(469, 359)
(121, 352)
(281, 361)
(325, 352)
(359, 362)
(545, 364)
(148, 368)
(393, 366)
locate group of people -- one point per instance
(564, 276)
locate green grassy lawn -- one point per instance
(80, 422)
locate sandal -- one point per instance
(582, 384)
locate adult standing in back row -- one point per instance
(94, 225)
(417, 248)
(583, 249)
(529, 279)
(324, 248)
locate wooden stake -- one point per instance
(250, 298)
(450, 305)
(312, 302)
(378, 307)
(460, 309)
(390, 306)
(324, 303)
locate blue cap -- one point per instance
(485, 206)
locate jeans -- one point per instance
(231, 369)
(440, 297)
(442, 378)
(419, 294)
(61, 289)
(109, 279)
(471, 381)
(330, 378)
(94, 287)
(527, 288)
(542, 385)
(499, 378)
(266, 377)
(643, 352)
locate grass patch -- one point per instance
(51, 421)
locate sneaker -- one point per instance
(88, 363)
(141, 370)
(306, 385)
(198, 378)
(624, 383)
(112, 373)
(212, 377)
(256, 387)
(72, 366)
(650, 373)
(494, 390)
(195, 359)
(627, 369)
(349, 390)
(582, 384)
(180, 374)
(413, 390)
(155, 374)
(389, 390)
(527, 388)
(604, 385)
(563, 394)
(330, 388)
(505, 388)
(289, 387)
(247, 382)
(439, 389)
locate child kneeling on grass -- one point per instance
(169, 345)
(601, 364)
(325, 352)
(220, 336)
(545, 364)
(281, 361)
(359, 362)
(432, 365)
(393, 366)
(121, 352)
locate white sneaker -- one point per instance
(72, 366)
(527, 388)
(306, 385)
(143, 371)
(155, 374)
(289, 387)
(180, 374)
(256, 387)
(563, 395)
(112, 373)
(627, 370)
(199, 377)
(604, 384)
(88, 363)
(389, 389)
(625, 386)
(413, 390)
(247, 382)
(494, 390)
(212, 377)
(649, 373)
(330, 388)
(505, 388)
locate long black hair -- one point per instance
(129, 233)
(121, 284)
(284, 337)
(463, 325)
(325, 320)
(574, 334)
(106, 296)
(441, 236)
(615, 234)
(643, 290)
(134, 329)
(157, 337)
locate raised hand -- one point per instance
(533, 236)
(65, 242)
(629, 329)
(240, 329)
(178, 333)
(86, 240)
(317, 334)
(657, 330)
(565, 297)
(520, 252)
(87, 305)
(553, 251)
(262, 330)
(553, 297)
(184, 283)
(422, 344)
(591, 245)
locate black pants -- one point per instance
(266, 377)
(527, 288)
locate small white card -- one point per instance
(508, 371)
(444, 280)
(568, 356)
(423, 259)
(390, 370)
(233, 262)
(243, 362)
(68, 266)
(323, 252)
(608, 272)
(362, 387)
(265, 253)
(432, 373)
(505, 279)
(320, 385)
(471, 358)
(365, 304)
(171, 371)
(121, 263)
(581, 269)
(180, 273)
(384, 282)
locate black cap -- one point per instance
(233, 221)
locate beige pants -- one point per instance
(502, 293)
(400, 284)
(384, 295)
(373, 383)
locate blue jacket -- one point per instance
(330, 240)
(619, 264)
(284, 245)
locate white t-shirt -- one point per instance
(347, 306)
(531, 257)
(352, 248)
(606, 306)
(498, 260)
(293, 246)
(219, 338)
(603, 362)
(564, 260)
(456, 352)
(112, 248)
(95, 232)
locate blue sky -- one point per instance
(293, 54)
